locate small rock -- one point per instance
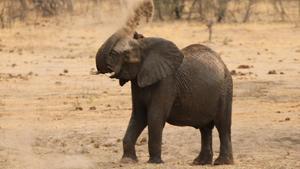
(66, 71)
(142, 141)
(78, 108)
(286, 119)
(58, 83)
(282, 73)
(13, 65)
(63, 144)
(84, 150)
(96, 145)
(278, 112)
(244, 67)
(233, 72)
(272, 72)
(108, 145)
(93, 108)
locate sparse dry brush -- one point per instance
(233, 10)
(200, 10)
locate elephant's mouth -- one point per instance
(114, 75)
(113, 72)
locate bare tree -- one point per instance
(209, 25)
(24, 8)
(278, 6)
(222, 10)
(179, 6)
(299, 9)
(158, 5)
(248, 10)
(192, 8)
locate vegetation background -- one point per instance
(229, 11)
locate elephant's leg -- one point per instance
(223, 124)
(225, 156)
(155, 129)
(206, 153)
(162, 98)
(137, 123)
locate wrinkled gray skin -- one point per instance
(188, 87)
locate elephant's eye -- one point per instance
(113, 53)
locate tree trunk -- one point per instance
(222, 10)
(191, 9)
(158, 8)
(299, 9)
(282, 10)
(24, 9)
(248, 11)
(69, 5)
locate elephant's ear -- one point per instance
(161, 58)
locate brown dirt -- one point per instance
(54, 114)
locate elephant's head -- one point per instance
(146, 60)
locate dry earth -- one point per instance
(54, 114)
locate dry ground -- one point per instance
(54, 114)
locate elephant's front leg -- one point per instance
(137, 123)
(155, 128)
(157, 114)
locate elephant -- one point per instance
(188, 87)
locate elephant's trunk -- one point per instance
(104, 52)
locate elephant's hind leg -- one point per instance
(206, 153)
(223, 124)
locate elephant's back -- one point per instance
(203, 63)
(200, 55)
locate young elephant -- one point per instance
(188, 87)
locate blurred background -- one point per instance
(229, 11)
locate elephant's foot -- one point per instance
(222, 159)
(129, 159)
(203, 160)
(155, 160)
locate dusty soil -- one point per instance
(55, 114)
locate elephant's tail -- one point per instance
(229, 95)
